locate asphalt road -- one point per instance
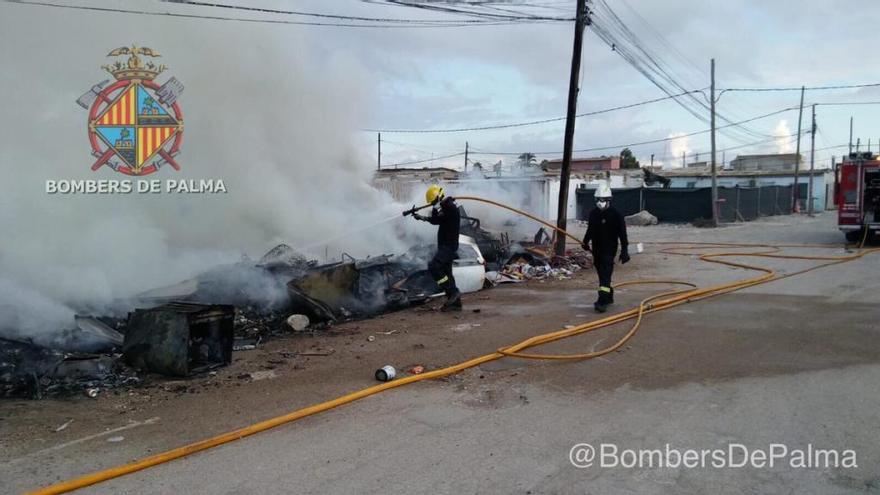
(791, 365)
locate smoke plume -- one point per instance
(266, 110)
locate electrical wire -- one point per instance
(264, 10)
(451, 23)
(422, 161)
(528, 123)
(617, 35)
(654, 141)
(806, 88)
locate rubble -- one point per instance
(298, 322)
(31, 371)
(180, 339)
(641, 218)
(195, 325)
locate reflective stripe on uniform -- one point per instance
(443, 280)
(602, 288)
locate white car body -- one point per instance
(469, 269)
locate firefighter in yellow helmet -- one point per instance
(445, 215)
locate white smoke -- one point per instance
(784, 141)
(679, 145)
(261, 113)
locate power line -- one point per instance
(533, 122)
(422, 161)
(653, 141)
(451, 23)
(841, 103)
(808, 88)
(617, 35)
(264, 10)
(791, 138)
(471, 13)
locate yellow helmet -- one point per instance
(433, 194)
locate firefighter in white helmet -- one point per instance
(605, 227)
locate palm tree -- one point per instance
(527, 159)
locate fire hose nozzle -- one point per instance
(414, 209)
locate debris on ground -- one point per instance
(317, 351)
(532, 262)
(246, 344)
(194, 326)
(298, 322)
(641, 218)
(180, 339)
(385, 373)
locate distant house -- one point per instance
(579, 165)
(776, 161)
(409, 174)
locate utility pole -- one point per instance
(812, 163)
(683, 160)
(797, 157)
(465, 156)
(379, 153)
(652, 162)
(714, 171)
(581, 20)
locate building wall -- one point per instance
(772, 162)
(610, 163)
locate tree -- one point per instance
(527, 160)
(628, 160)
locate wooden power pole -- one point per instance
(812, 164)
(379, 152)
(797, 157)
(465, 156)
(581, 21)
(714, 168)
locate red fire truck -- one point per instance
(857, 195)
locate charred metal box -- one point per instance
(180, 339)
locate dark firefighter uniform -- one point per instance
(448, 220)
(605, 227)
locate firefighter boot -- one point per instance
(601, 304)
(453, 300)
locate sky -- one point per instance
(454, 77)
(476, 76)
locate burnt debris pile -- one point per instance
(195, 325)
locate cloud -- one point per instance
(784, 142)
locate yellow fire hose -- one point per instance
(648, 305)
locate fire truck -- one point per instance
(857, 195)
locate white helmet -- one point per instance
(603, 191)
